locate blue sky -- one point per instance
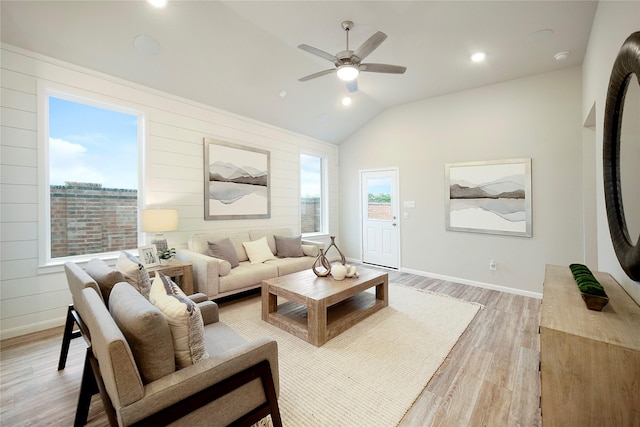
(310, 175)
(377, 186)
(93, 145)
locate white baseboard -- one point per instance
(474, 283)
(34, 327)
(466, 282)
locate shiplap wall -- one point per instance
(34, 297)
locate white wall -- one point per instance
(34, 298)
(536, 117)
(613, 23)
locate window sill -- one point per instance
(311, 236)
(57, 265)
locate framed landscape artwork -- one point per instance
(236, 181)
(491, 197)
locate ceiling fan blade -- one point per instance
(352, 86)
(318, 74)
(382, 68)
(370, 45)
(318, 52)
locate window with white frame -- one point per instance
(92, 173)
(312, 201)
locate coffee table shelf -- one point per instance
(318, 309)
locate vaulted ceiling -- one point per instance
(242, 56)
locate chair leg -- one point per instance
(100, 388)
(66, 338)
(270, 393)
(88, 388)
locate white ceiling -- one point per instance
(239, 55)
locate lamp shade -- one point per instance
(159, 220)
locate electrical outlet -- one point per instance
(492, 265)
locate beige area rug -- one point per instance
(369, 375)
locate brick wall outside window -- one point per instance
(310, 217)
(89, 219)
(380, 210)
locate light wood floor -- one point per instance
(490, 378)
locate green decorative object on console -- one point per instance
(592, 291)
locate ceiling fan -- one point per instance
(348, 63)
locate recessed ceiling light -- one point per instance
(478, 57)
(561, 56)
(346, 101)
(158, 3)
(282, 93)
(540, 35)
(146, 44)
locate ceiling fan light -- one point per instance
(347, 72)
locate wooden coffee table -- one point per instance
(319, 308)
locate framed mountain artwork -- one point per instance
(491, 197)
(236, 181)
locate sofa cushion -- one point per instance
(105, 276)
(134, 273)
(224, 249)
(292, 265)
(258, 251)
(288, 246)
(184, 318)
(249, 275)
(146, 330)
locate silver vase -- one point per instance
(323, 262)
(333, 244)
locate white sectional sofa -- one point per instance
(213, 276)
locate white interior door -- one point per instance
(380, 226)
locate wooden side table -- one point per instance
(180, 272)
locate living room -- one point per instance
(554, 118)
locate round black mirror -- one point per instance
(626, 71)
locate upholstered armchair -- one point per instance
(130, 362)
(132, 358)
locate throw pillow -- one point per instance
(184, 318)
(258, 251)
(134, 273)
(289, 246)
(146, 330)
(224, 268)
(105, 276)
(224, 249)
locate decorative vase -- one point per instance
(338, 271)
(323, 262)
(333, 244)
(352, 271)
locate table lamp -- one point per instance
(158, 221)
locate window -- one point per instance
(311, 194)
(92, 174)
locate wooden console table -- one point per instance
(180, 272)
(589, 360)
